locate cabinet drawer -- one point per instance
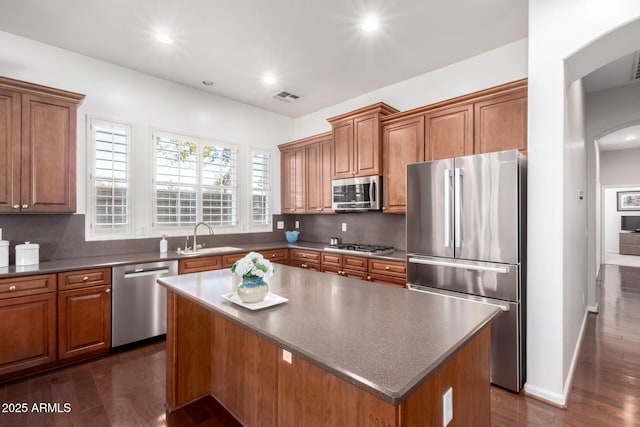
(230, 259)
(315, 266)
(277, 255)
(84, 278)
(304, 255)
(387, 280)
(27, 285)
(354, 263)
(630, 238)
(331, 260)
(390, 268)
(194, 265)
(355, 274)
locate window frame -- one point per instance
(253, 226)
(160, 229)
(91, 232)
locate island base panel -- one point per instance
(210, 354)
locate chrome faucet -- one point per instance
(195, 229)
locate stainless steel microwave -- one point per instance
(357, 194)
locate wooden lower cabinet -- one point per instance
(629, 243)
(84, 321)
(27, 332)
(229, 259)
(303, 258)
(387, 272)
(279, 256)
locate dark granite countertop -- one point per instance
(56, 266)
(383, 339)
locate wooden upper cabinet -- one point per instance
(318, 174)
(343, 149)
(293, 180)
(449, 132)
(357, 142)
(38, 148)
(501, 122)
(402, 144)
(10, 138)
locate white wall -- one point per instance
(498, 66)
(611, 217)
(563, 47)
(620, 167)
(114, 92)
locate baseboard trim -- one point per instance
(560, 399)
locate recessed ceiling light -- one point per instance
(630, 138)
(207, 82)
(370, 24)
(164, 38)
(269, 79)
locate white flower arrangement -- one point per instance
(253, 265)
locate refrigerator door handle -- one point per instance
(457, 213)
(503, 307)
(501, 270)
(447, 208)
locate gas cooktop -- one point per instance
(358, 248)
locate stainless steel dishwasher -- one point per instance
(139, 304)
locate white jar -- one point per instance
(27, 254)
(4, 253)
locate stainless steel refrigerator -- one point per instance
(466, 228)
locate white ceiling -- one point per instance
(621, 139)
(314, 48)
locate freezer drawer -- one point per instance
(507, 352)
(491, 280)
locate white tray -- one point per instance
(269, 301)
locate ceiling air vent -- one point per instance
(636, 71)
(286, 97)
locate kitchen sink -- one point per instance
(216, 250)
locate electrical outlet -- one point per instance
(344, 226)
(447, 407)
(286, 356)
(280, 225)
(297, 224)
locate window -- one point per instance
(195, 180)
(260, 187)
(109, 194)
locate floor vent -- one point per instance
(286, 97)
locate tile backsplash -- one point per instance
(62, 236)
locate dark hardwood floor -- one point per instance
(128, 387)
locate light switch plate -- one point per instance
(280, 225)
(344, 226)
(297, 224)
(286, 356)
(447, 407)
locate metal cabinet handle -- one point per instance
(107, 291)
(303, 265)
(16, 206)
(386, 267)
(12, 288)
(25, 206)
(304, 255)
(369, 278)
(85, 278)
(384, 208)
(273, 255)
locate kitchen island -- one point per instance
(339, 352)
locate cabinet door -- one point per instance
(343, 149)
(367, 145)
(326, 174)
(84, 321)
(195, 265)
(27, 332)
(501, 123)
(313, 188)
(10, 120)
(48, 155)
(402, 143)
(299, 181)
(449, 132)
(288, 176)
